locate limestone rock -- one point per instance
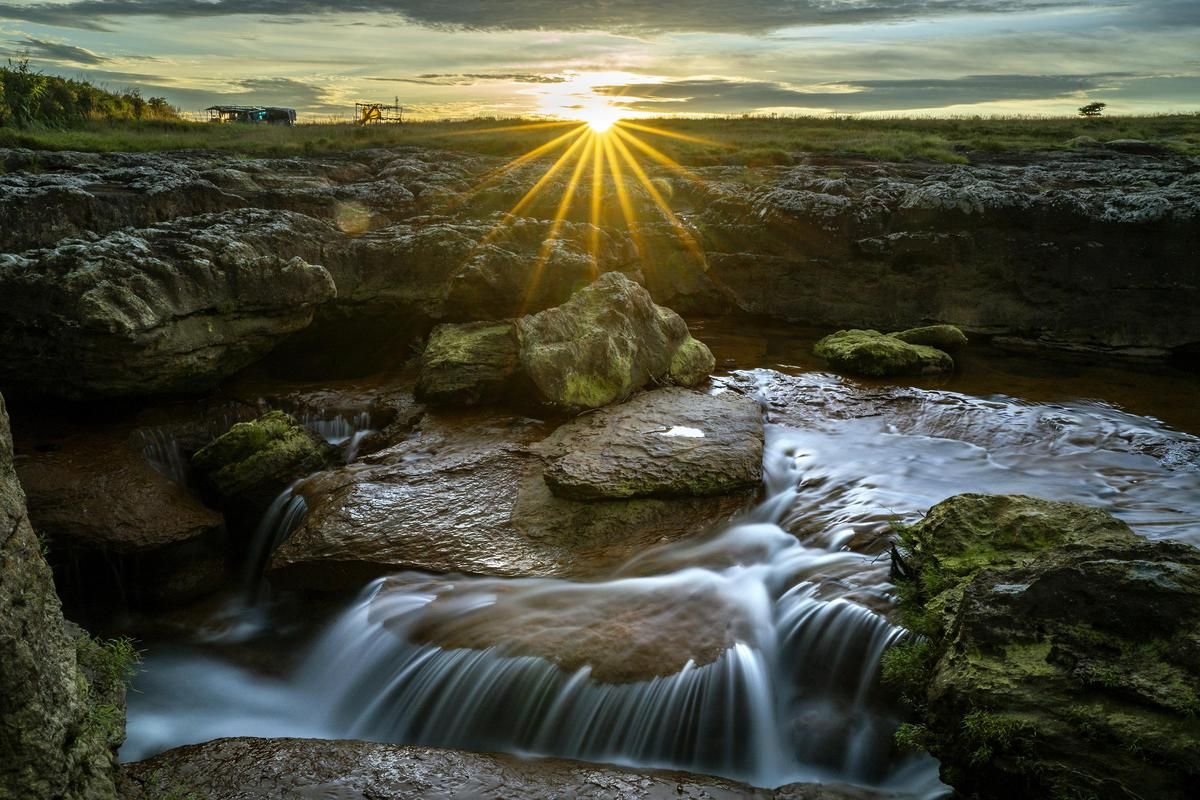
(59, 728)
(173, 308)
(876, 355)
(664, 443)
(1061, 651)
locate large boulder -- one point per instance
(599, 347)
(301, 769)
(878, 355)
(467, 495)
(666, 443)
(250, 464)
(606, 342)
(61, 693)
(1059, 653)
(172, 308)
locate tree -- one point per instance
(1092, 109)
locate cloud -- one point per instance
(725, 96)
(472, 78)
(616, 16)
(57, 51)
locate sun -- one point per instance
(599, 119)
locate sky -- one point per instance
(459, 58)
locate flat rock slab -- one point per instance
(466, 495)
(665, 443)
(307, 769)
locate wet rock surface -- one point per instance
(1061, 651)
(466, 495)
(296, 769)
(666, 442)
(97, 492)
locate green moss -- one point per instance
(593, 391)
(942, 337)
(692, 363)
(912, 737)
(989, 734)
(875, 355)
(260, 455)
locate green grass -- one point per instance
(745, 141)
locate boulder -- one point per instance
(172, 308)
(876, 355)
(606, 342)
(301, 769)
(941, 337)
(469, 364)
(666, 443)
(253, 462)
(1060, 651)
(467, 495)
(62, 710)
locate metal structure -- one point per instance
(254, 115)
(378, 113)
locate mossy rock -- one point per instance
(1058, 651)
(606, 342)
(942, 337)
(469, 364)
(254, 461)
(876, 355)
(692, 363)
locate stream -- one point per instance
(752, 653)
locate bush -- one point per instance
(29, 98)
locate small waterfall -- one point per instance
(346, 431)
(161, 448)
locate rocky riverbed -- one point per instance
(357, 457)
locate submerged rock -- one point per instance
(466, 495)
(664, 443)
(1061, 651)
(254, 461)
(61, 710)
(301, 769)
(606, 342)
(878, 355)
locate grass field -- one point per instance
(754, 141)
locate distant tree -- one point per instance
(1092, 109)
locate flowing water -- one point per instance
(753, 653)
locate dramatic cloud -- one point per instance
(57, 51)
(472, 78)
(618, 16)
(721, 96)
